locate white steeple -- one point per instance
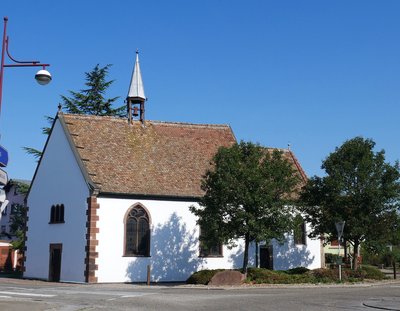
(136, 89)
(136, 95)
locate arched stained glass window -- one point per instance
(137, 232)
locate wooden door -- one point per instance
(266, 257)
(55, 262)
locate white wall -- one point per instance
(174, 246)
(58, 181)
(289, 255)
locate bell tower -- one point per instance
(136, 98)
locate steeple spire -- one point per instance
(136, 93)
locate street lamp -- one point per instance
(43, 77)
(339, 228)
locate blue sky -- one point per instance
(309, 73)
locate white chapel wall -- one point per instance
(58, 181)
(174, 245)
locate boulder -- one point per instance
(227, 277)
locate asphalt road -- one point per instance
(24, 295)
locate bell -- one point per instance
(135, 111)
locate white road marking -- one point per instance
(26, 294)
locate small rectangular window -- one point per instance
(57, 214)
(214, 250)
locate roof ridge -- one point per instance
(171, 123)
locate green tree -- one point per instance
(387, 242)
(18, 218)
(247, 196)
(90, 101)
(359, 188)
(17, 226)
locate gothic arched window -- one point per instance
(137, 232)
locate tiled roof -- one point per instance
(160, 159)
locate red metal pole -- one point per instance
(3, 49)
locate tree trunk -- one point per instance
(345, 250)
(394, 269)
(257, 256)
(355, 255)
(246, 253)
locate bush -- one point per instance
(260, 275)
(325, 275)
(297, 270)
(202, 277)
(353, 275)
(373, 273)
(297, 275)
(294, 276)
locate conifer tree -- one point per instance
(89, 101)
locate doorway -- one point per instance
(266, 257)
(55, 262)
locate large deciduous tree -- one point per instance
(247, 196)
(359, 188)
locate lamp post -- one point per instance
(339, 227)
(43, 77)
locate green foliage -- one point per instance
(331, 258)
(372, 273)
(202, 277)
(298, 270)
(295, 276)
(22, 188)
(292, 276)
(265, 276)
(33, 152)
(91, 100)
(371, 257)
(246, 196)
(325, 275)
(17, 226)
(359, 188)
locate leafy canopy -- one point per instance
(247, 195)
(359, 188)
